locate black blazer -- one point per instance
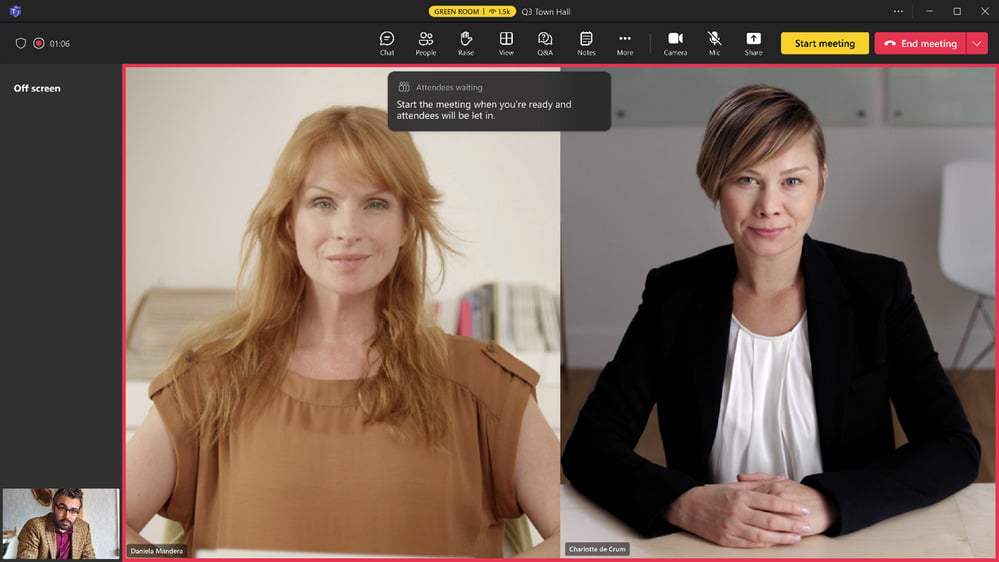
(869, 349)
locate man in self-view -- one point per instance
(57, 534)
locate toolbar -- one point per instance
(488, 43)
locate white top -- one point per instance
(767, 421)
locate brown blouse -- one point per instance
(306, 473)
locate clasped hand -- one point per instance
(757, 511)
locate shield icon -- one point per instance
(20, 42)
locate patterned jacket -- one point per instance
(38, 539)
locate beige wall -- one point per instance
(201, 144)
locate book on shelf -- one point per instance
(521, 316)
(447, 314)
(549, 318)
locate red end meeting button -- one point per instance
(930, 43)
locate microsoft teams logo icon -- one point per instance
(15, 11)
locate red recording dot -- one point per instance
(39, 42)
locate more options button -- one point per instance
(978, 43)
(917, 43)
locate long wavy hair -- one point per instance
(249, 348)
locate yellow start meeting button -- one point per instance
(472, 11)
(824, 43)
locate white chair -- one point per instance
(967, 240)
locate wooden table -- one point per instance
(960, 526)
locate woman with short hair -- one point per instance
(774, 362)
